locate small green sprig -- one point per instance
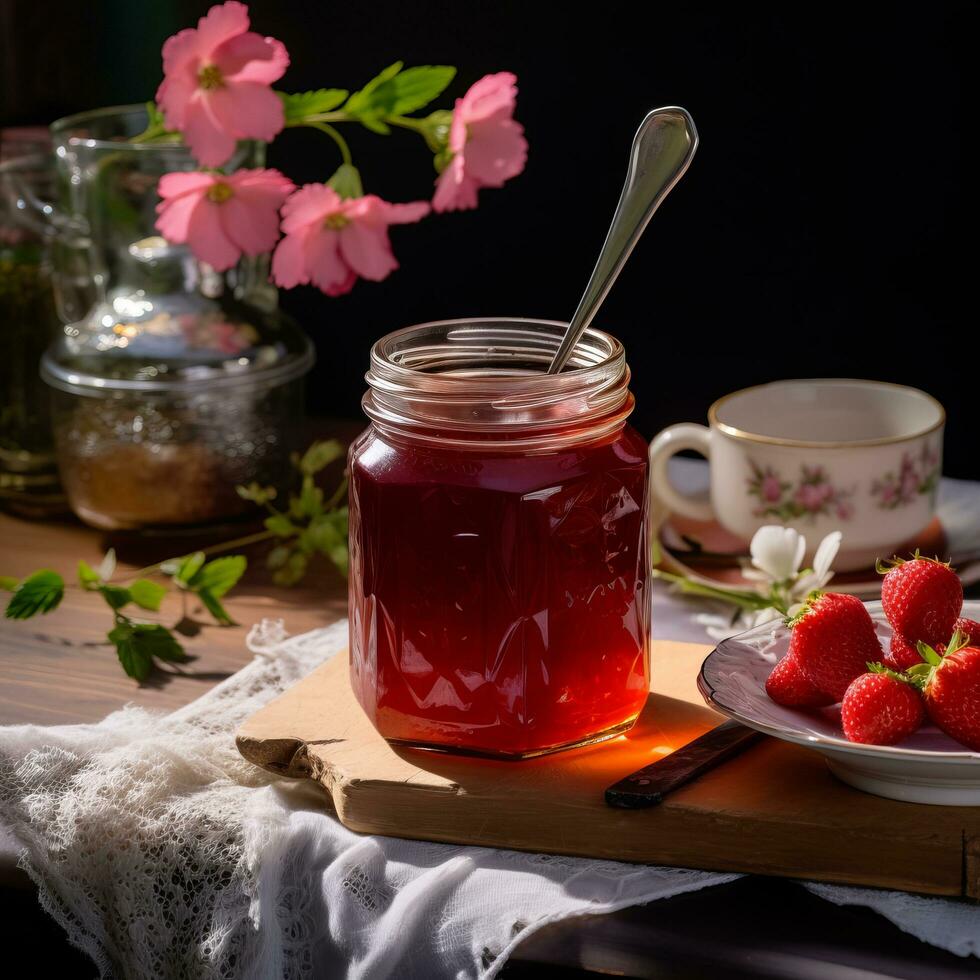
(311, 524)
(138, 645)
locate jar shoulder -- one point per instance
(381, 460)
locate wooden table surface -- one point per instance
(56, 669)
(59, 669)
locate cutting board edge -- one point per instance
(349, 812)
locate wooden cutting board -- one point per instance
(774, 810)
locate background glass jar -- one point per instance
(499, 565)
(173, 382)
(28, 471)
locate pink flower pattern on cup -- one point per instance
(812, 495)
(915, 475)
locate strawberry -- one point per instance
(833, 641)
(902, 653)
(787, 686)
(951, 688)
(921, 597)
(881, 707)
(970, 628)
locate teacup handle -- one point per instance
(686, 435)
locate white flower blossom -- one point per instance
(777, 552)
(821, 574)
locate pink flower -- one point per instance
(811, 496)
(771, 488)
(216, 86)
(220, 217)
(845, 511)
(330, 241)
(487, 145)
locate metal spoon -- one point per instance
(662, 151)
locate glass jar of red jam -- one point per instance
(498, 577)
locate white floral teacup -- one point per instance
(817, 455)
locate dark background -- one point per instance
(826, 227)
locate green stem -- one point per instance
(336, 137)
(745, 600)
(337, 495)
(325, 117)
(212, 550)
(406, 122)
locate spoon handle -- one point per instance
(662, 150)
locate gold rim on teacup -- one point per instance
(737, 433)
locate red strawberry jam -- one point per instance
(498, 580)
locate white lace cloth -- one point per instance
(163, 853)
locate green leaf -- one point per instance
(310, 499)
(293, 570)
(188, 568)
(88, 577)
(346, 181)
(138, 643)
(256, 493)
(298, 105)
(416, 87)
(319, 455)
(395, 92)
(38, 593)
(218, 576)
(116, 595)
(362, 100)
(928, 654)
(213, 605)
(281, 526)
(8, 583)
(277, 557)
(147, 594)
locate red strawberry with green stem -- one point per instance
(833, 641)
(881, 707)
(921, 597)
(951, 688)
(969, 628)
(902, 653)
(787, 686)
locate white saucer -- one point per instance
(928, 767)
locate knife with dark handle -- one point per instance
(648, 786)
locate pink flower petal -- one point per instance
(246, 110)
(289, 262)
(254, 230)
(207, 237)
(367, 250)
(221, 23)
(311, 203)
(180, 51)
(252, 58)
(180, 183)
(210, 144)
(490, 95)
(175, 217)
(455, 191)
(328, 271)
(496, 151)
(404, 214)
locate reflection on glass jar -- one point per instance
(498, 595)
(173, 381)
(28, 472)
